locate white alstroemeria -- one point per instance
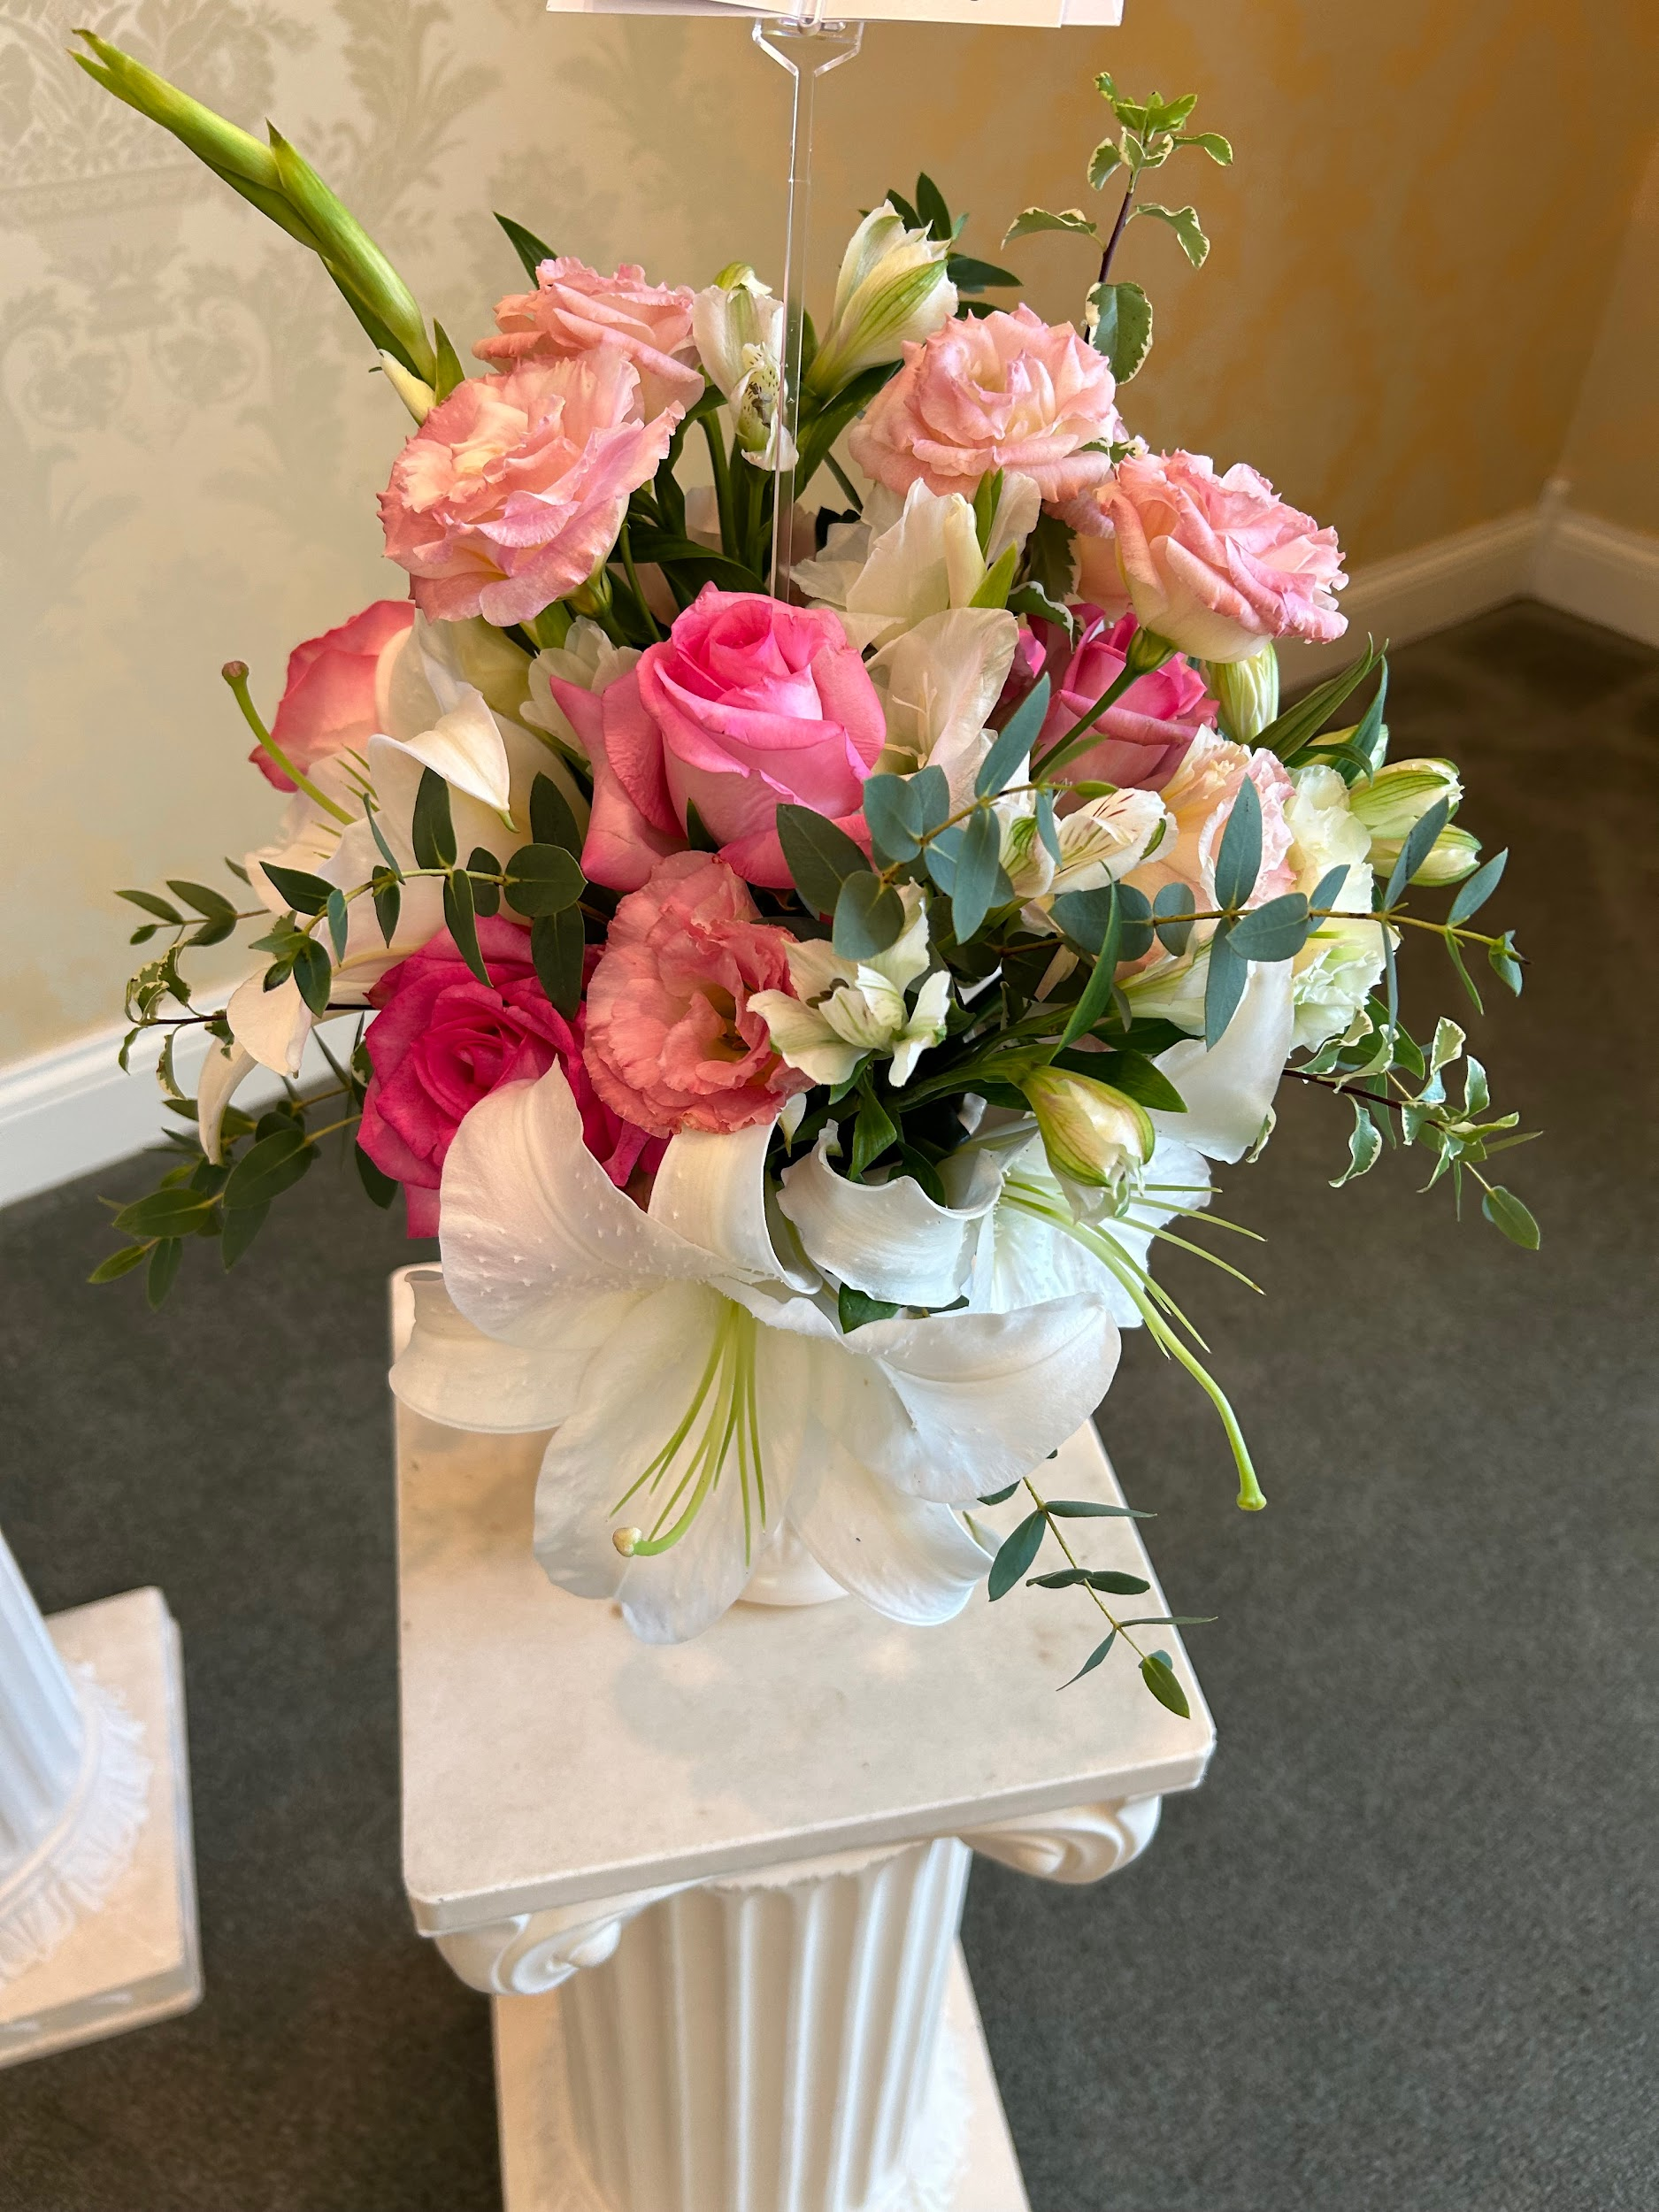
(1101, 840)
(842, 1010)
(939, 683)
(886, 572)
(701, 1388)
(587, 658)
(1339, 967)
(436, 718)
(738, 326)
(892, 290)
(1096, 1139)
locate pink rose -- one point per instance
(512, 492)
(1217, 564)
(993, 392)
(442, 1041)
(573, 307)
(1145, 734)
(747, 702)
(329, 705)
(670, 1042)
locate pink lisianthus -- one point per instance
(329, 704)
(671, 1043)
(1144, 735)
(511, 492)
(747, 702)
(442, 1041)
(993, 392)
(1216, 564)
(573, 307)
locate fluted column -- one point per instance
(766, 2044)
(41, 1729)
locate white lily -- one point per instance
(842, 1010)
(700, 1386)
(885, 573)
(938, 684)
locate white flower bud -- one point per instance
(1395, 799)
(1092, 1133)
(1451, 857)
(1248, 693)
(892, 288)
(738, 326)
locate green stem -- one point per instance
(235, 675)
(722, 468)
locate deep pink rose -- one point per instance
(670, 1042)
(511, 493)
(573, 307)
(1217, 565)
(329, 704)
(746, 702)
(442, 1041)
(993, 392)
(1145, 734)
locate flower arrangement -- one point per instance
(800, 1017)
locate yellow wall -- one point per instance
(1410, 267)
(1611, 461)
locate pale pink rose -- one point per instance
(512, 492)
(671, 1043)
(746, 702)
(442, 1041)
(993, 392)
(1144, 735)
(573, 307)
(328, 706)
(1099, 579)
(1217, 564)
(1199, 796)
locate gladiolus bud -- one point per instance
(1248, 693)
(1397, 797)
(891, 289)
(1092, 1133)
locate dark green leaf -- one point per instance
(269, 1167)
(305, 893)
(164, 1268)
(970, 275)
(1093, 1659)
(868, 918)
(241, 1228)
(1012, 743)
(152, 902)
(1048, 561)
(1032, 601)
(483, 867)
(1415, 848)
(461, 918)
(381, 1187)
(214, 905)
(123, 1261)
(893, 811)
(1159, 1678)
(1133, 1074)
(388, 898)
(1171, 913)
(1369, 741)
(1046, 826)
(213, 932)
(1503, 962)
(557, 949)
(543, 879)
(1123, 328)
(1277, 931)
(450, 374)
(1096, 1577)
(1085, 916)
(163, 1213)
(931, 787)
(1302, 721)
(432, 831)
(1472, 894)
(142, 935)
(873, 1133)
(393, 869)
(930, 205)
(1088, 1510)
(313, 974)
(1329, 884)
(527, 245)
(999, 1497)
(1504, 1210)
(1238, 861)
(1014, 1555)
(338, 922)
(1097, 992)
(1223, 987)
(821, 856)
(551, 821)
(978, 866)
(853, 1309)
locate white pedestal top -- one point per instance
(549, 1758)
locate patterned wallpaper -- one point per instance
(1410, 264)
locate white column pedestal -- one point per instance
(97, 1884)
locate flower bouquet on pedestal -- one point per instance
(801, 1018)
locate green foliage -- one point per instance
(1184, 222)
(543, 879)
(1122, 326)
(869, 916)
(820, 856)
(530, 251)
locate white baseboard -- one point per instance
(1600, 571)
(70, 1111)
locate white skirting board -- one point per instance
(70, 1110)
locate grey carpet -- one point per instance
(1397, 1954)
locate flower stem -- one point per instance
(235, 675)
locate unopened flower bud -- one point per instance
(891, 289)
(1451, 857)
(1248, 693)
(1395, 799)
(416, 395)
(1092, 1133)
(738, 325)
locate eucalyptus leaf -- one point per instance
(1224, 985)
(557, 951)
(339, 922)
(551, 821)
(1277, 931)
(543, 879)
(1090, 1509)
(1504, 1210)
(1159, 1678)
(313, 974)
(1013, 742)
(868, 918)
(1415, 848)
(1017, 1552)
(893, 811)
(432, 829)
(978, 866)
(1475, 890)
(1324, 891)
(1238, 861)
(461, 919)
(820, 855)
(1093, 1659)
(1172, 918)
